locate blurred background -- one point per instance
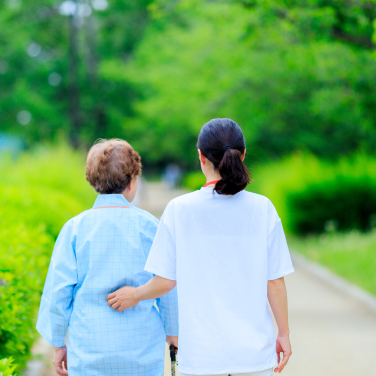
(298, 76)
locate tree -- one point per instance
(294, 74)
(49, 56)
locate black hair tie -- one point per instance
(226, 148)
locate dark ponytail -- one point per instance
(222, 142)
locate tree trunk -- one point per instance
(74, 93)
(92, 64)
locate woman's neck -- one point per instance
(212, 176)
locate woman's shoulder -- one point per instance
(76, 220)
(256, 197)
(145, 216)
(184, 199)
(261, 201)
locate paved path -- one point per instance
(332, 334)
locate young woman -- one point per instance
(97, 252)
(226, 250)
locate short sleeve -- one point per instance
(162, 256)
(279, 260)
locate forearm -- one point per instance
(127, 296)
(277, 296)
(154, 289)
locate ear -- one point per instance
(202, 157)
(130, 185)
(243, 155)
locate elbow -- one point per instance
(168, 285)
(163, 285)
(276, 283)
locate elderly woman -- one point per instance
(97, 252)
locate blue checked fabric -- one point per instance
(96, 253)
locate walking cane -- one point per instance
(173, 350)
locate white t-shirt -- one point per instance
(222, 250)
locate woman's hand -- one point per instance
(127, 297)
(172, 340)
(123, 298)
(60, 356)
(283, 346)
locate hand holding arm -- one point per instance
(277, 297)
(127, 296)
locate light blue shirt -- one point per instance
(97, 252)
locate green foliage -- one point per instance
(351, 255)
(48, 67)
(194, 181)
(343, 203)
(39, 191)
(7, 367)
(312, 195)
(54, 167)
(294, 74)
(25, 253)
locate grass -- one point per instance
(351, 255)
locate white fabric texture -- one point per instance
(267, 372)
(222, 250)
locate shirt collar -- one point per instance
(215, 194)
(112, 199)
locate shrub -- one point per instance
(7, 367)
(313, 195)
(342, 204)
(57, 168)
(39, 192)
(39, 205)
(25, 253)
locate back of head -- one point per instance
(111, 165)
(222, 142)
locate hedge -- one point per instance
(7, 367)
(314, 196)
(39, 192)
(24, 258)
(344, 203)
(56, 167)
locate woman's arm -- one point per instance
(127, 297)
(57, 299)
(277, 296)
